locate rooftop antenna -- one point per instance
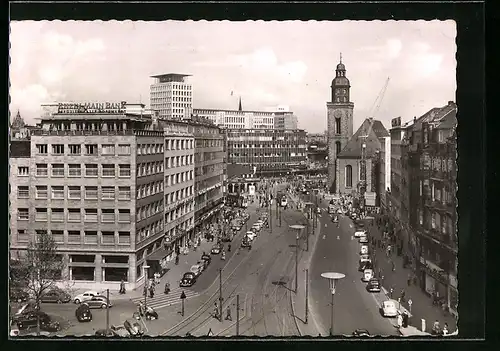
(340, 57)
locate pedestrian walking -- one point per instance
(391, 292)
(228, 314)
(151, 292)
(216, 310)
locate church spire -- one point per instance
(340, 57)
(18, 121)
(239, 107)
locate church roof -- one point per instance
(18, 121)
(354, 145)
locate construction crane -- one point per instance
(373, 111)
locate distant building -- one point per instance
(350, 175)
(317, 138)
(278, 118)
(267, 152)
(171, 95)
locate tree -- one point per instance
(40, 269)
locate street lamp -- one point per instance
(146, 268)
(298, 228)
(332, 277)
(309, 206)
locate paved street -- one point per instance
(354, 308)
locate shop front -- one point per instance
(453, 295)
(435, 280)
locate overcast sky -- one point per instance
(266, 63)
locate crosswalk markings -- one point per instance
(162, 300)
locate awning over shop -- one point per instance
(159, 255)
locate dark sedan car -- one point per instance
(206, 259)
(365, 265)
(373, 285)
(188, 279)
(30, 319)
(56, 296)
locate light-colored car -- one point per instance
(196, 269)
(87, 295)
(257, 227)
(367, 275)
(360, 233)
(364, 250)
(389, 308)
(250, 235)
(98, 302)
(363, 240)
(364, 258)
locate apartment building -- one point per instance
(93, 179)
(171, 95)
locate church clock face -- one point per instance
(337, 114)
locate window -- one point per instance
(108, 215)
(41, 192)
(124, 216)
(58, 236)
(108, 170)
(57, 170)
(57, 192)
(74, 215)
(124, 149)
(108, 193)
(108, 149)
(433, 221)
(124, 237)
(42, 170)
(91, 149)
(108, 237)
(75, 170)
(57, 215)
(57, 149)
(337, 147)
(124, 193)
(75, 149)
(23, 171)
(41, 214)
(337, 125)
(91, 192)
(42, 149)
(74, 192)
(90, 237)
(23, 214)
(124, 171)
(348, 176)
(90, 170)
(90, 215)
(23, 192)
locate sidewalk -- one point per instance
(421, 307)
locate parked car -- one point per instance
(367, 264)
(367, 275)
(360, 233)
(216, 249)
(363, 240)
(389, 308)
(29, 320)
(363, 250)
(106, 333)
(360, 332)
(196, 269)
(18, 294)
(373, 285)
(245, 243)
(250, 235)
(83, 313)
(256, 227)
(188, 279)
(58, 296)
(87, 295)
(98, 302)
(206, 259)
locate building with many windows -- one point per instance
(268, 152)
(433, 214)
(94, 179)
(171, 96)
(209, 171)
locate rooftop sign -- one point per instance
(92, 107)
(396, 122)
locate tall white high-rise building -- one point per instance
(171, 96)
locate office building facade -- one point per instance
(171, 96)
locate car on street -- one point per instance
(29, 320)
(359, 233)
(250, 235)
(216, 249)
(82, 313)
(98, 302)
(196, 269)
(206, 259)
(389, 309)
(365, 264)
(367, 275)
(363, 250)
(245, 243)
(188, 279)
(363, 240)
(257, 227)
(360, 332)
(87, 295)
(18, 294)
(373, 285)
(55, 296)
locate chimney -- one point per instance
(414, 119)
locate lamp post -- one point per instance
(332, 277)
(297, 228)
(146, 279)
(309, 206)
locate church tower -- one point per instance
(340, 121)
